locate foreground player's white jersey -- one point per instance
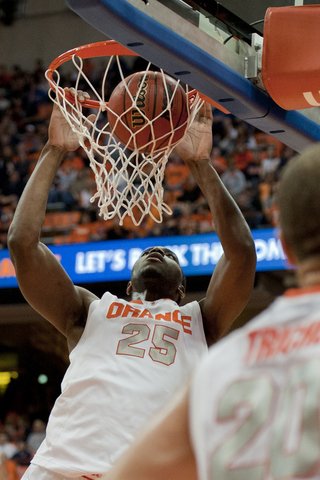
(255, 400)
(131, 358)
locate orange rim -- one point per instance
(98, 49)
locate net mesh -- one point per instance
(128, 182)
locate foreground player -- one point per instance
(127, 358)
(252, 408)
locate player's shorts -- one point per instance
(35, 472)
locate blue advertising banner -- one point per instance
(113, 260)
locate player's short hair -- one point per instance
(298, 201)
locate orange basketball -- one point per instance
(152, 92)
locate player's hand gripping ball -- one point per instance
(148, 111)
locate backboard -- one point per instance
(213, 47)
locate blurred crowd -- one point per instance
(19, 441)
(248, 161)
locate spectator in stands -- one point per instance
(39, 71)
(270, 163)
(30, 143)
(35, 98)
(83, 188)
(229, 137)
(242, 156)
(15, 183)
(22, 162)
(7, 155)
(68, 172)
(265, 189)
(17, 113)
(175, 174)
(7, 447)
(191, 190)
(218, 161)
(15, 426)
(233, 179)
(286, 155)
(4, 102)
(117, 232)
(188, 226)
(269, 207)
(8, 469)
(89, 229)
(61, 196)
(246, 135)
(170, 224)
(203, 217)
(9, 128)
(250, 206)
(253, 169)
(22, 458)
(5, 77)
(80, 184)
(36, 436)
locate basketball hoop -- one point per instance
(129, 181)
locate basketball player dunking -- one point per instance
(126, 358)
(251, 410)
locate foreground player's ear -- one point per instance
(291, 257)
(181, 291)
(129, 288)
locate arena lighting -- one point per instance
(42, 379)
(5, 379)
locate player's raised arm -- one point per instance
(232, 280)
(41, 278)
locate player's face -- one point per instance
(157, 264)
(158, 256)
(161, 253)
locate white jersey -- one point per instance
(255, 399)
(131, 358)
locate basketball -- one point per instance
(147, 111)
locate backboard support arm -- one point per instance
(202, 61)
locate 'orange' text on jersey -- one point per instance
(118, 309)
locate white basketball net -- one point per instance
(128, 182)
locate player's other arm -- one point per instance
(163, 449)
(41, 278)
(233, 277)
